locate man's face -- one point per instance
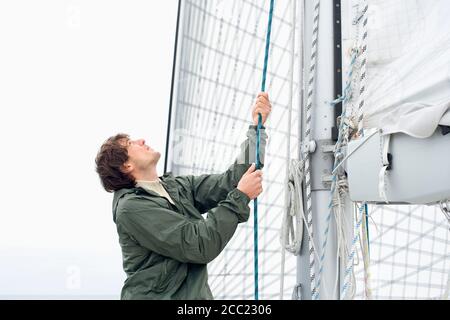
(141, 156)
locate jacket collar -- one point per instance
(167, 180)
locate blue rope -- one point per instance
(258, 138)
(366, 209)
(266, 56)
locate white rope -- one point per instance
(348, 290)
(363, 76)
(290, 208)
(310, 96)
(294, 219)
(339, 186)
(341, 223)
(366, 257)
(292, 229)
(351, 256)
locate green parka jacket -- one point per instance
(165, 247)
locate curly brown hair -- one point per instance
(112, 155)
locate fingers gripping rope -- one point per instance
(258, 139)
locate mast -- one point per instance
(322, 157)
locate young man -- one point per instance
(166, 242)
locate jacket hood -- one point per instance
(119, 194)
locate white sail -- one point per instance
(408, 65)
(408, 91)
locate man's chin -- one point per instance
(157, 156)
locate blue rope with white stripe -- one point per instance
(344, 98)
(258, 138)
(366, 209)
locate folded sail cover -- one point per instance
(409, 66)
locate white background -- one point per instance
(73, 73)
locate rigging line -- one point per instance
(280, 119)
(363, 76)
(248, 83)
(354, 150)
(271, 254)
(267, 209)
(262, 39)
(258, 138)
(350, 258)
(291, 39)
(309, 104)
(280, 19)
(367, 228)
(243, 270)
(236, 58)
(337, 152)
(270, 206)
(364, 243)
(242, 73)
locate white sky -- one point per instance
(73, 73)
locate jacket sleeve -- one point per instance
(209, 189)
(173, 235)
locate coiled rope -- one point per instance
(258, 139)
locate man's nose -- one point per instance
(141, 142)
